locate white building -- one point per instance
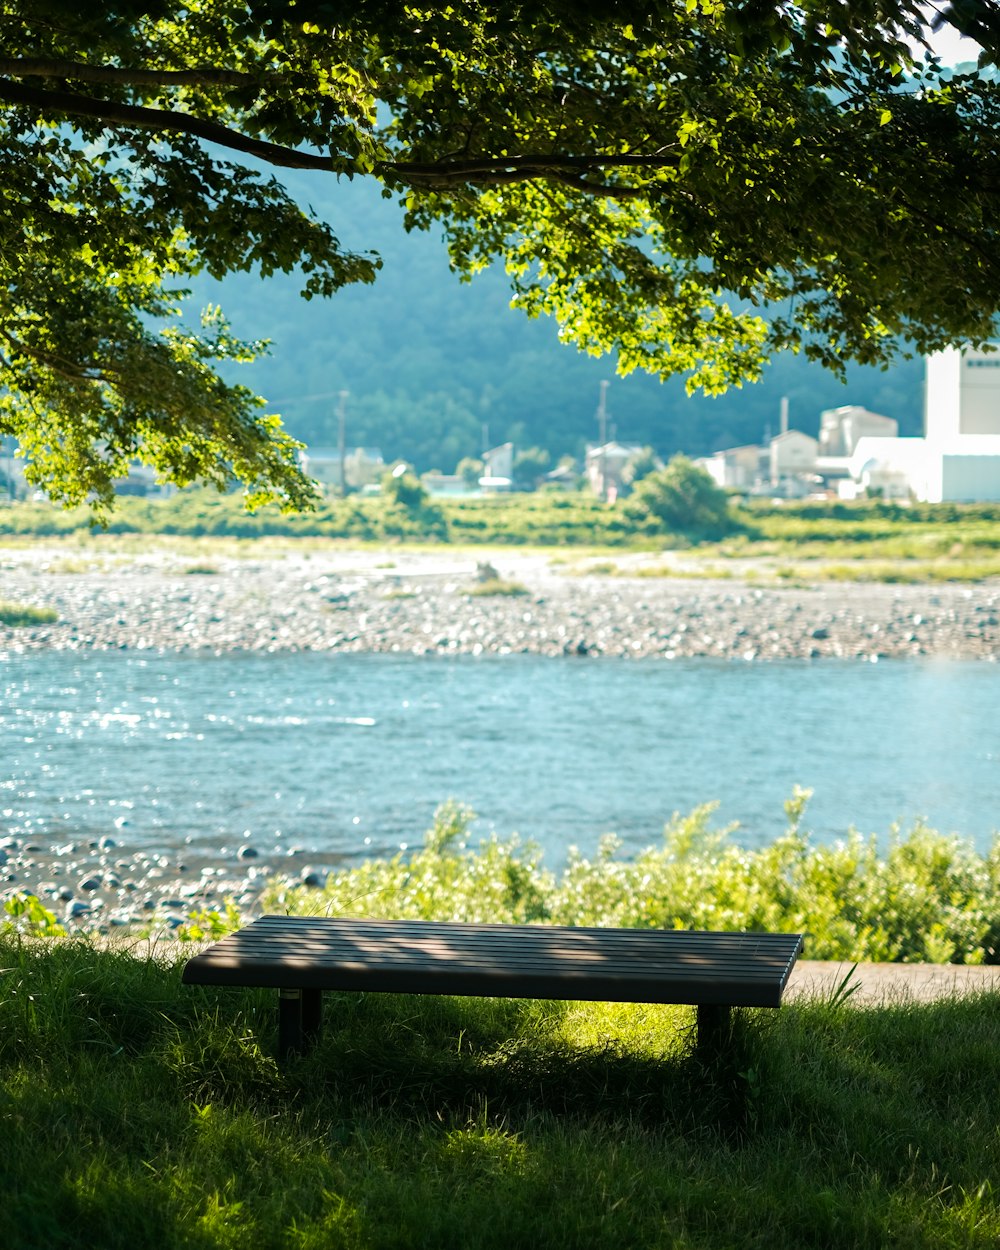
(736, 468)
(958, 459)
(604, 468)
(498, 470)
(363, 466)
(962, 426)
(893, 468)
(793, 454)
(841, 429)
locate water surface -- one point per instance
(348, 756)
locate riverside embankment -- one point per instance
(433, 602)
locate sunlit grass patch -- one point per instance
(909, 572)
(690, 571)
(497, 586)
(69, 567)
(18, 615)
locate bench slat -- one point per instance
(521, 961)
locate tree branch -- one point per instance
(204, 76)
(113, 113)
(529, 166)
(483, 171)
(68, 369)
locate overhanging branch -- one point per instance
(76, 71)
(568, 169)
(113, 113)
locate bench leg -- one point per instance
(312, 1017)
(290, 1041)
(300, 1021)
(714, 1030)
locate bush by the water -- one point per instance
(930, 897)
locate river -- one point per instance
(347, 756)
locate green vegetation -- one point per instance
(140, 1114)
(497, 586)
(533, 390)
(685, 499)
(801, 542)
(929, 898)
(691, 223)
(15, 615)
(532, 519)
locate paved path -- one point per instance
(878, 983)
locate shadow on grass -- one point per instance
(454, 1059)
(427, 1058)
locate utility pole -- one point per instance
(602, 413)
(342, 440)
(602, 425)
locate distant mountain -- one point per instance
(434, 367)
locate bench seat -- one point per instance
(301, 956)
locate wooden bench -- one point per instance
(301, 956)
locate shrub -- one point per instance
(684, 498)
(930, 898)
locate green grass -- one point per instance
(19, 615)
(497, 586)
(136, 1112)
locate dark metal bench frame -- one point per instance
(301, 956)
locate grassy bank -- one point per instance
(791, 542)
(137, 1113)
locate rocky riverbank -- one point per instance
(424, 603)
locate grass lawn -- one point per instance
(135, 1112)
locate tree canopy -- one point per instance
(691, 184)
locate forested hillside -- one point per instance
(429, 361)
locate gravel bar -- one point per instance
(425, 604)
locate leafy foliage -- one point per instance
(928, 897)
(655, 177)
(28, 914)
(404, 489)
(685, 499)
